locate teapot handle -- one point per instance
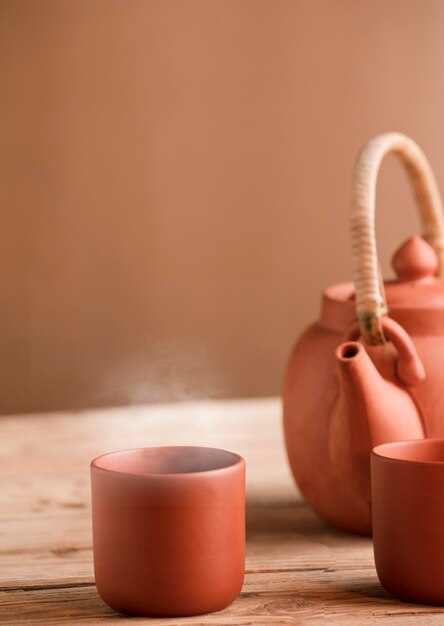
(370, 296)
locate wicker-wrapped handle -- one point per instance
(370, 297)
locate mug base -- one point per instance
(405, 594)
(151, 610)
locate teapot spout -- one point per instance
(369, 410)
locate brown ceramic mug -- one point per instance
(408, 518)
(168, 529)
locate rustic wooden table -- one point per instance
(298, 570)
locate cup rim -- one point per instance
(238, 460)
(378, 451)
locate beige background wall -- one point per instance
(174, 183)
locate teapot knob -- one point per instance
(415, 259)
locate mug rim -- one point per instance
(238, 461)
(378, 451)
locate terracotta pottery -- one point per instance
(168, 529)
(369, 371)
(408, 519)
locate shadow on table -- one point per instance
(285, 517)
(315, 565)
(364, 595)
(369, 588)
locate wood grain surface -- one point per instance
(298, 570)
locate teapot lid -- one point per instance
(415, 299)
(416, 286)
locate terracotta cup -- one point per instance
(168, 529)
(408, 518)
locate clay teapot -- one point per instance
(371, 370)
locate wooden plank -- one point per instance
(59, 549)
(284, 598)
(298, 570)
